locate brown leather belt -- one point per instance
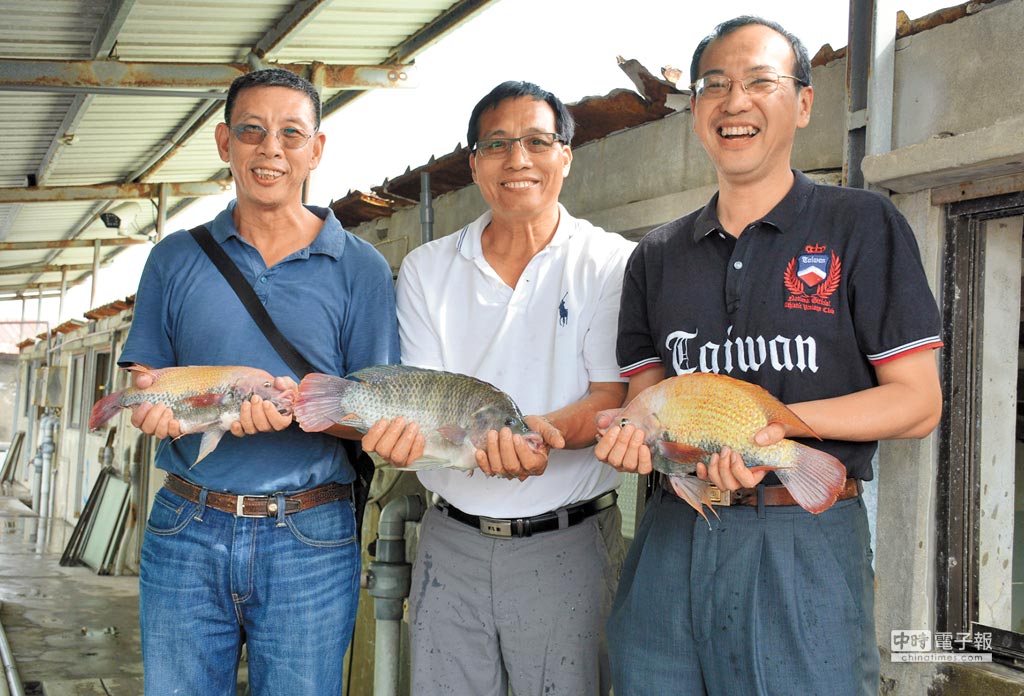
(259, 505)
(773, 495)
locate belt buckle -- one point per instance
(495, 528)
(719, 497)
(240, 506)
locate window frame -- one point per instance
(958, 490)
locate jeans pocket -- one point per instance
(170, 514)
(327, 525)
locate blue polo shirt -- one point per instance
(334, 300)
(803, 303)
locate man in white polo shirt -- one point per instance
(516, 568)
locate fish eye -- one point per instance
(623, 422)
(511, 422)
(266, 385)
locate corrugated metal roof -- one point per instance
(58, 129)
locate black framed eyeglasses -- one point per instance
(756, 84)
(252, 134)
(534, 143)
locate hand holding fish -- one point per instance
(153, 419)
(727, 470)
(622, 448)
(397, 442)
(259, 415)
(510, 456)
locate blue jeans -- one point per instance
(764, 601)
(286, 586)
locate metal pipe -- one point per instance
(426, 209)
(11, 685)
(47, 448)
(388, 581)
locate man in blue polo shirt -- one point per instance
(256, 543)
(817, 294)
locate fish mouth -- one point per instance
(535, 442)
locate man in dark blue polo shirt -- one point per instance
(817, 294)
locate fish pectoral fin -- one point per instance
(204, 400)
(211, 438)
(680, 452)
(428, 463)
(354, 421)
(453, 434)
(694, 492)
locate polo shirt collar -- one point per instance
(330, 241)
(782, 217)
(471, 246)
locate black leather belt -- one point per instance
(528, 526)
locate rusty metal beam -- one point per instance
(71, 244)
(21, 288)
(105, 192)
(301, 14)
(158, 78)
(47, 268)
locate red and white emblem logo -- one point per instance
(811, 279)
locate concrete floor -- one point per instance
(70, 631)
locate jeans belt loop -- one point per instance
(279, 498)
(563, 518)
(761, 514)
(202, 504)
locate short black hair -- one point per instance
(272, 77)
(564, 122)
(801, 63)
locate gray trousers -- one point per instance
(486, 613)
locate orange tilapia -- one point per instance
(688, 418)
(204, 399)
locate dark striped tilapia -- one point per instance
(454, 411)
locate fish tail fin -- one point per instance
(816, 479)
(694, 492)
(104, 409)
(319, 405)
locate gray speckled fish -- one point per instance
(454, 411)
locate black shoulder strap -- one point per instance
(293, 358)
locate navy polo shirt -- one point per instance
(334, 300)
(803, 303)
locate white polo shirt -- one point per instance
(542, 342)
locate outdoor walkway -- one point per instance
(71, 632)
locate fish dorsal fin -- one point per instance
(379, 373)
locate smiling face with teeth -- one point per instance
(521, 187)
(269, 176)
(750, 138)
